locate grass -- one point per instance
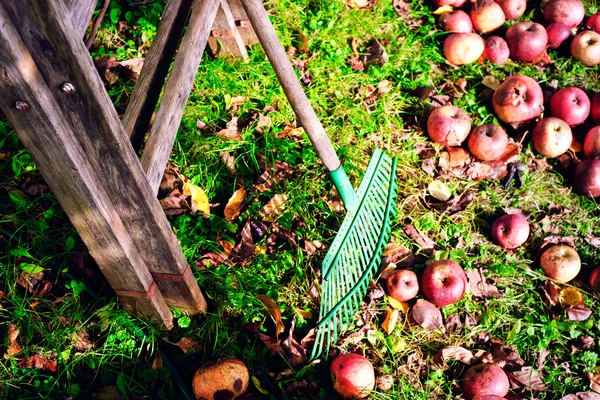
(101, 352)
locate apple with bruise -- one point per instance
(484, 380)
(402, 285)
(443, 282)
(570, 104)
(456, 21)
(585, 47)
(551, 137)
(487, 142)
(513, 9)
(561, 263)
(586, 178)
(569, 12)
(227, 378)
(496, 50)
(353, 376)
(557, 33)
(448, 125)
(518, 99)
(463, 48)
(487, 16)
(526, 40)
(591, 143)
(510, 231)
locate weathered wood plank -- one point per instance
(81, 13)
(31, 107)
(241, 21)
(225, 39)
(177, 90)
(156, 66)
(67, 68)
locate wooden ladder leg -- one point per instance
(31, 105)
(66, 66)
(81, 12)
(225, 39)
(242, 23)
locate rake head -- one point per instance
(355, 254)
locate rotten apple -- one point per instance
(552, 137)
(570, 104)
(487, 16)
(484, 380)
(557, 33)
(586, 178)
(526, 40)
(560, 262)
(593, 22)
(591, 143)
(402, 285)
(518, 99)
(569, 12)
(226, 378)
(596, 108)
(463, 48)
(510, 231)
(487, 142)
(353, 376)
(513, 9)
(443, 282)
(585, 47)
(456, 21)
(448, 125)
(496, 50)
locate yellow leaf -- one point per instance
(199, 198)
(570, 297)
(234, 205)
(304, 314)
(274, 207)
(439, 190)
(391, 319)
(258, 385)
(444, 9)
(398, 305)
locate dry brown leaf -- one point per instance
(427, 315)
(274, 312)
(594, 378)
(273, 208)
(273, 345)
(231, 130)
(579, 313)
(175, 204)
(398, 305)
(229, 161)
(291, 131)
(384, 86)
(399, 255)
(391, 319)
(12, 333)
(134, 65)
(304, 314)
(491, 82)
(234, 205)
(552, 292)
(245, 249)
(264, 121)
(158, 361)
(570, 297)
(582, 396)
(236, 101)
(453, 157)
(530, 379)
(186, 344)
(479, 287)
(422, 240)
(453, 352)
(38, 362)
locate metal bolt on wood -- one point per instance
(68, 88)
(22, 106)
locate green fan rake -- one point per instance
(355, 254)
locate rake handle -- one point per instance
(289, 82)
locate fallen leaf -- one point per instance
(199, 198)
(245, 249)
(479, 287)
(175, 203)
(453, 352)
(202, 126)
(530, 379)
(570, 297)
(158, 361)
(491, 82)
(304, 314)
(212, 259)
(38, 362)
(453, 157)
(398, 305)
(235, 101)
(552, 292)
(542, 355)
(301, 386)
(258, 385)
(264, 121)
(296, 353)
(229, 161)
(404, 10)
(594, 378)
(453, 323)
(422, 240)
(273, 345)
(384, 86)
(12, 333)
(454, 205)
(384, 382)
(427, 315)
(376, 54)
(231, 130)
(273, 208)
(439, 190)
(579, 313)
(391, 319)
(582, 396)
(234, 205)
(134, 65)
(186, 344)
(274, 312)
(399, 255)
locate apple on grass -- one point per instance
(591, 143)
(485, 380)
(585, 47)
(557, 33)
(448, 125)
(551, 137)
(518, 99)
(487, 142)
(593, 279)
(487, 16)
(569, 12)
(353, 376)
(463, 48)
(561, 263)
(570, 104)
(593, 22)
(586, 178)
(526, 40)
(443, 282)
(456, 21)
(510, 231)
(496, 50)
(513, 9)
(402, 285)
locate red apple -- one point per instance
(510, 231)
(596, 108)
(463, 48)
(513, 9)
(456, 21)
(443, 282)
(487, 16)
(484, 380)
(353, 376)
(453, 3)
(552, 137)
(591, 143)
(496, 50)
(593, 22)
(569, 12)
(560, 262)
(557, 34)
(586, 178)
(571, 105)
(594, 283)
(402, 285)
(585, 47)
(448, 125)
(518, 99)
(526, 40)
(487, 142)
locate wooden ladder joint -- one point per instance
(138, 295)
(173, 277)
(219, 33)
